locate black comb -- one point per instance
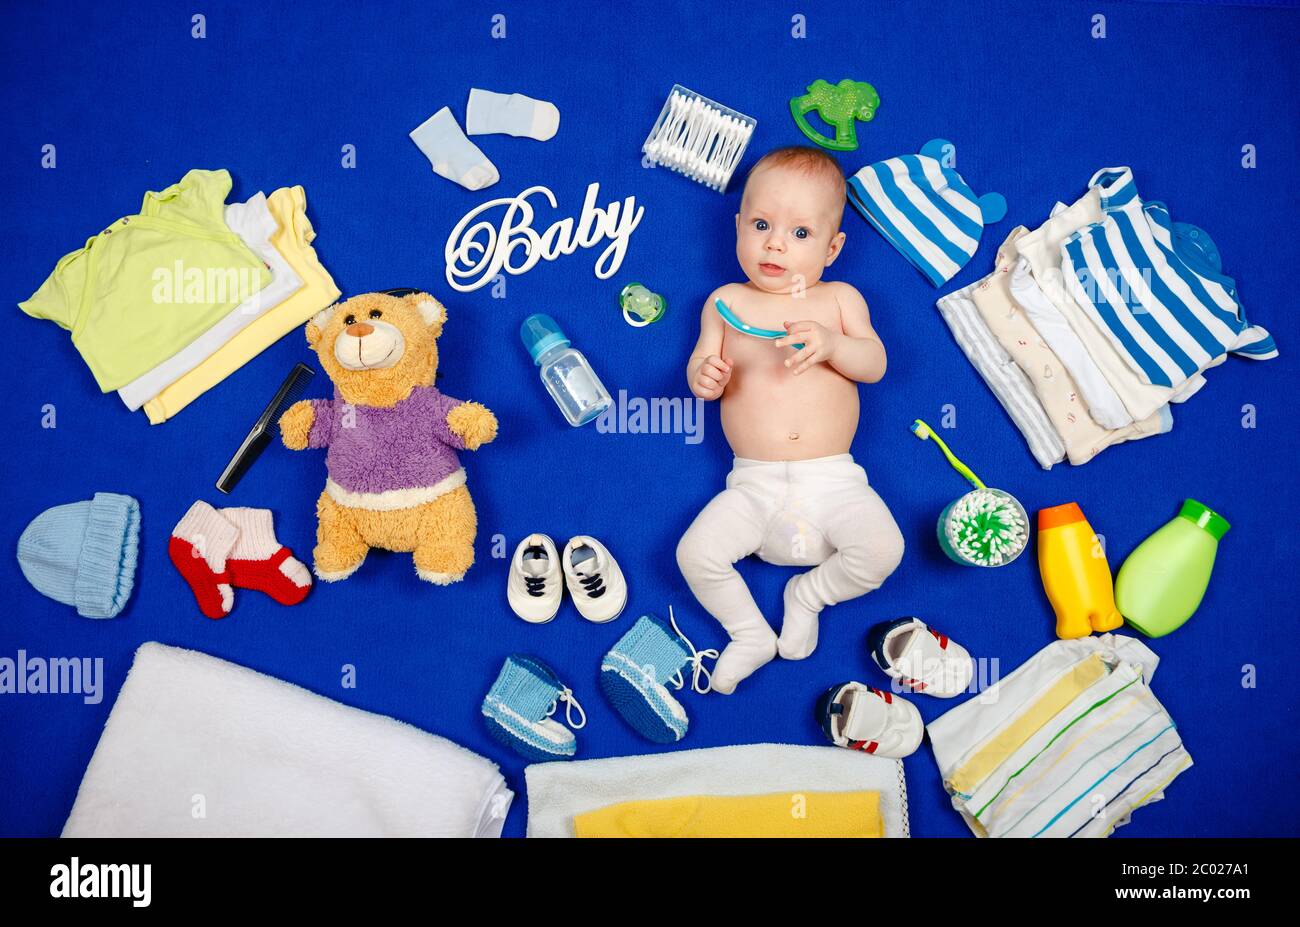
(259, 436)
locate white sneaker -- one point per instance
(534, 587)
(871, 720)
(920, 658)
(594, 579)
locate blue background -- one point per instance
(1034, 105)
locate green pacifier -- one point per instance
(840, 105)
(640, 305)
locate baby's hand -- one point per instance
(818, 344)
(712, 377)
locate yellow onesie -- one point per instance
(293, 240)
(149, 284)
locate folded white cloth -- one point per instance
(558, 791)
(1070, 744)
(196, 746)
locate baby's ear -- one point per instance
(432, 311)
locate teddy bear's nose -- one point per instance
(359, 329)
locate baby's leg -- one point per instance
(868, 547)
(729, 528)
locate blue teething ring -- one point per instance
(745, 328)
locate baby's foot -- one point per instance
(740, 658)
(798, 628)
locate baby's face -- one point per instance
(787, 230)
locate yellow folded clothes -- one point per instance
(293, 240)
(781, 814)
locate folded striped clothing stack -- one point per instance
(166, 303)
(1068, 745)
(1091, 325)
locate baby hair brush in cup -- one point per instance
(986, 527)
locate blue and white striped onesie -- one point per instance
(1155, 288)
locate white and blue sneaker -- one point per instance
(636, 672)
(860, 717)
(594, 579)
(519, 706)
(920, 658)
(536, 582)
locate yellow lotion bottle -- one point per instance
(1075, 573)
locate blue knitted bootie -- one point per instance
(635, 673)
(519, 706)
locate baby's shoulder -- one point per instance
(845, 295)
(727, 293)
(838, 288)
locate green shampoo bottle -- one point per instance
(1162, 582)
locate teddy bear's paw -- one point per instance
(474, 423)
(295, 425)
(439, 579)
(443, 564)
(330, 566)
(333, 576)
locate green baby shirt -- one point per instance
(151, 283)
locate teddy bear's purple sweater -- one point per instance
(372, 450)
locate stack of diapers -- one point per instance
(758, 790)
(198, 747)
(1069, 745)
(1091, 325)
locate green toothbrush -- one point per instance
(926, 433)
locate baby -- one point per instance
(794, 495)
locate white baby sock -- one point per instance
(799, 626)
(491, 113)
(452, 154)
(750, 648)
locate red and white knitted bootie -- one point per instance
(258, 561)
(199, 547)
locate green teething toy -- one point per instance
(740, 325)
(840, 105)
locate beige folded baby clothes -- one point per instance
(1051, 381)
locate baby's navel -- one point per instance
(794, 436)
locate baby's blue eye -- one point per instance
(801, 233)
(761, 225)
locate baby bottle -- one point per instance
(1162, 582)
(565, 372)
(1075, 573)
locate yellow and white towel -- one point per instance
(779, 814)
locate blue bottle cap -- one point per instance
(539, 334)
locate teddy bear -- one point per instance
(394, 476)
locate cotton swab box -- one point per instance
(699, 138)
(986, 527)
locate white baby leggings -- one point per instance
(819, 513)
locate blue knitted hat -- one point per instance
(84, 553)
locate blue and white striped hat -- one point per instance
(925, 209)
